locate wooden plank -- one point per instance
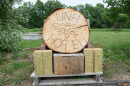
(47, 62)
(68, 81)
(36, 80)
(38, 62)
(68, 64)
(97, 78)
(89, 54)
(84, 74)
(98, 59)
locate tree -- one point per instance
(97, 16)
(51, 4)
(73, 7)
(37, 15)
(23, 11)
(118, 12)
(10, 37)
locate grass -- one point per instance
(111, 30)
(15, 71)
(31, 43)
(116, 57)
(117, 43)
(27, 44)
(34, 30)
(118, 50)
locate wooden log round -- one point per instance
(66, 31)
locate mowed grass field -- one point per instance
(116, 57)
(118, 43)
(110, 39)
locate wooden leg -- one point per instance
(36, 80)
(97, 78)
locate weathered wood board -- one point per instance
(98, 59)
(43, 62)
(89, 56)
(66, 31)
(68, 64)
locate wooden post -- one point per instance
(97, 78)
(36, 79)
(89, 54)
(98, 57)
(43, 62)
(88, 21)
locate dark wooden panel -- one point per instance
(68, 64)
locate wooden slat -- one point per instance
(38, 62)
(98, 59)
(47, 62)
(68, 81)
(89, 54)
(84, 74)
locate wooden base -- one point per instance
(41, 82)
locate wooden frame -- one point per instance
(40, 82)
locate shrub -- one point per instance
(10, 40)
(10, 34)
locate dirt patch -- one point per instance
(118, 77)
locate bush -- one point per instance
(10, 40)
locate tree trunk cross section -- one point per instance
(66, 31)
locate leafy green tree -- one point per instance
(73, 7)
(37, 15)
(118, 12)
(51, 4)
(23, 11)
(10, 37)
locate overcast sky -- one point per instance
(71, 2)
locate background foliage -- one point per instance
(10, 34)
(115, 15)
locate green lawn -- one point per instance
(118, 43)
(116, 57)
